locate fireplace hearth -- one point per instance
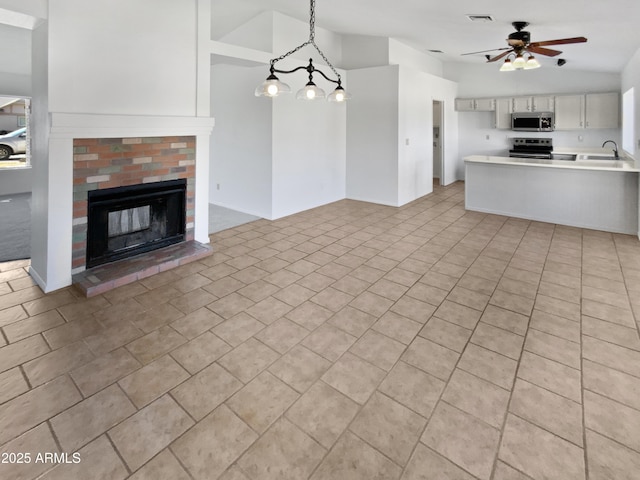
(126, 221)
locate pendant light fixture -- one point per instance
(272, 86)
(520, 63)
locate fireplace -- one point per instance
(125, 221)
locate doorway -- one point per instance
(438, 142)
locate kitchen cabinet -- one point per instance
(503, 113)
(569, 113)
(475, 104)
(593, 110)
(541, 103)
(602, 110)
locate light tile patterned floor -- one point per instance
(353, 341)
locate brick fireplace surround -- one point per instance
(100, 163)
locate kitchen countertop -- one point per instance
(624, 165)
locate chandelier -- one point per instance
(272, 86)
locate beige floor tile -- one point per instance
(469, 298)
(221, 287)
(480, 398)
(57, 362)
(152, 318)
(294, 295)
(463, 439)
(553, 348)
(104, 371)
(511, 301)
(378, 349)
(558, 307)
(231, 305)
(506, 472)
(413, 309)
(353, 459)
(38, 440)
(446, 334)
(332, 299)
(113, 337)
(328, 341)
(498, 340)
(97, 460)
(269, 310)
(397, 327)
(164, 465)
(547, 410)
(489, 365)
(439, 280)
(611, 332)
(354, 377)
(568, 294)
(33, 325)
(194, 300)
(196, 323)
(151, 381)
(352, 321)
(238, 328)
(608, 460)
(216, 442)
(161, 296)
(12, 384)
(371, 303)
(611, 355)
(248, 360)
(427, 293)
(611, 383)
(203, 392)
(540, 454)
(551, 375)
(71, 332)
(555, 325)
(29, 409)
(12, 314)
(262, 401)
(431, 357)
(300, 368)
(389, 427)
(258, 290)
(309, 315)
(283, 453)
(459, 314)
(91, 418)
(149, 431)
(317, 282)
(620, 300)
(17, 353)
(78, 310)
(155, 344)
(323, 413)
(612, 419)
(506, 319)
(282, 335)
(193, 356)
(425, 464)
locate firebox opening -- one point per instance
(126, 221)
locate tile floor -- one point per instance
(353, 341)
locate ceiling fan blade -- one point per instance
(560, 41)
(543, 51)
(503, 54)
(484, 51)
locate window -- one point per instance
(14, 132)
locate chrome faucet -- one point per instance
(615, 150)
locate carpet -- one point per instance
(15, 227)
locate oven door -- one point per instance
(540, 155)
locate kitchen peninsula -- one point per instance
(600, 194)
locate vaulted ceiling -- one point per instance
(610, 26)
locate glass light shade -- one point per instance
(339, 95)
(519, 62)
(310, 92)
(271, 87)
(531, 63)
(507, 66)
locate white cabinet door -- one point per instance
(569, 112)
(521, 104)
(543, 104)
(603, 110)
(465, 104)
(503, 113)
(485, 104)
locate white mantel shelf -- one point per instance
(587, 196)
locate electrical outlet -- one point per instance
(217, 186)
(406, 142)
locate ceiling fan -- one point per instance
(520, 42)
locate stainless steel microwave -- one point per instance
(532, 121)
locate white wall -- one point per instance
(241, 145)
(402, 54)
(363, 51)
(631, 78)
(372, 135)
(123, 57)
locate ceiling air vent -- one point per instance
(480, 18)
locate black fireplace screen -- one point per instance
(126, 221)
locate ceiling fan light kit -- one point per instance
(520, 44)
(272, 86)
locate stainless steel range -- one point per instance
(531, 148)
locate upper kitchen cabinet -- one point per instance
(593, 110)
(504, 109)
(569, 114)
(475, 104)
(602, 110)
(542, 103)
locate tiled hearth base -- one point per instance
(106, 277)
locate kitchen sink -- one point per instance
(597, 157)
